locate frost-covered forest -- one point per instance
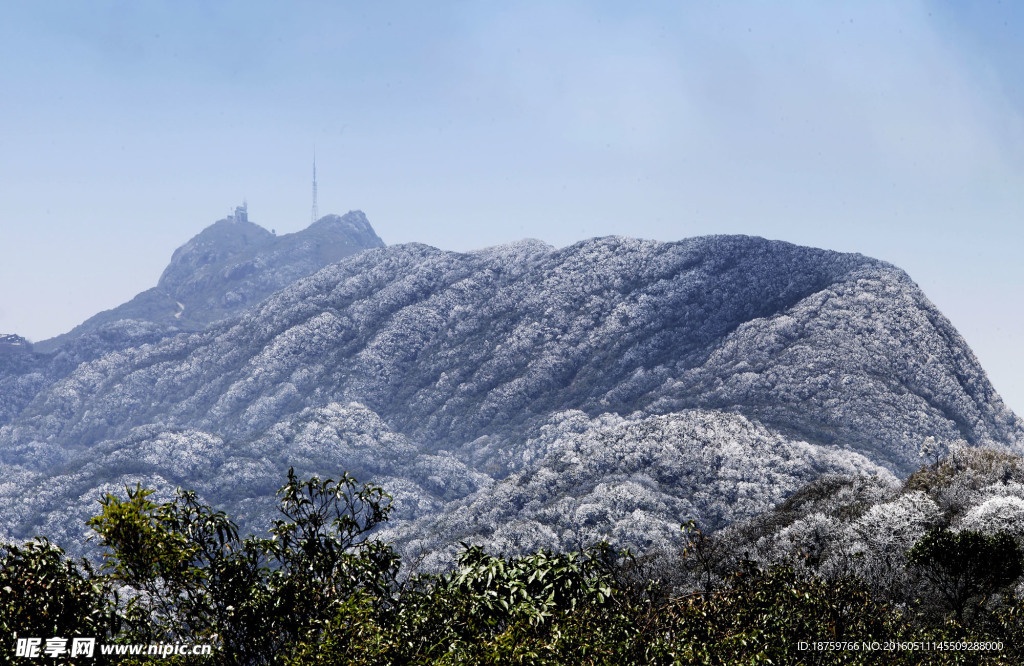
(520, 396)
(850, 569)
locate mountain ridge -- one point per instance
(228, 266)
(504, 365)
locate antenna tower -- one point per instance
(316, 213)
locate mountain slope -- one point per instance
(834, 362)
(229, 266)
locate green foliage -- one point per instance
(44, 594)
(762, 615)
(532, 588)
(756, 617)
(320, 557)
(966, 565)
(179, 558)
(194, 580)
(317, 590)
(540, 608)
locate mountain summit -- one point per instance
(230, 266)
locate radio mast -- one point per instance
(316, 214)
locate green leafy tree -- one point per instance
(320, 555)
(43, 594)
(533, 587)
(760, 617)
(180, 559)
(541, 608)
(194, 580)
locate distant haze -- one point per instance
(893, 129)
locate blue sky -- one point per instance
(894, 129)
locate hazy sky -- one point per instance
(894, 129)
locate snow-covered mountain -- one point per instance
(229, 266)
(521, 395)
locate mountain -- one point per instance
(25, 371)
(229, 266)
(17, 363)
(520, 395)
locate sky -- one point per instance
(894, 129)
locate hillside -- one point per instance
(522, 394)
(230, 266)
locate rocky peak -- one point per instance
(230, 266)
(217, 243)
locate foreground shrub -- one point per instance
(320, 590)
(42, 593)
(193, 580)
